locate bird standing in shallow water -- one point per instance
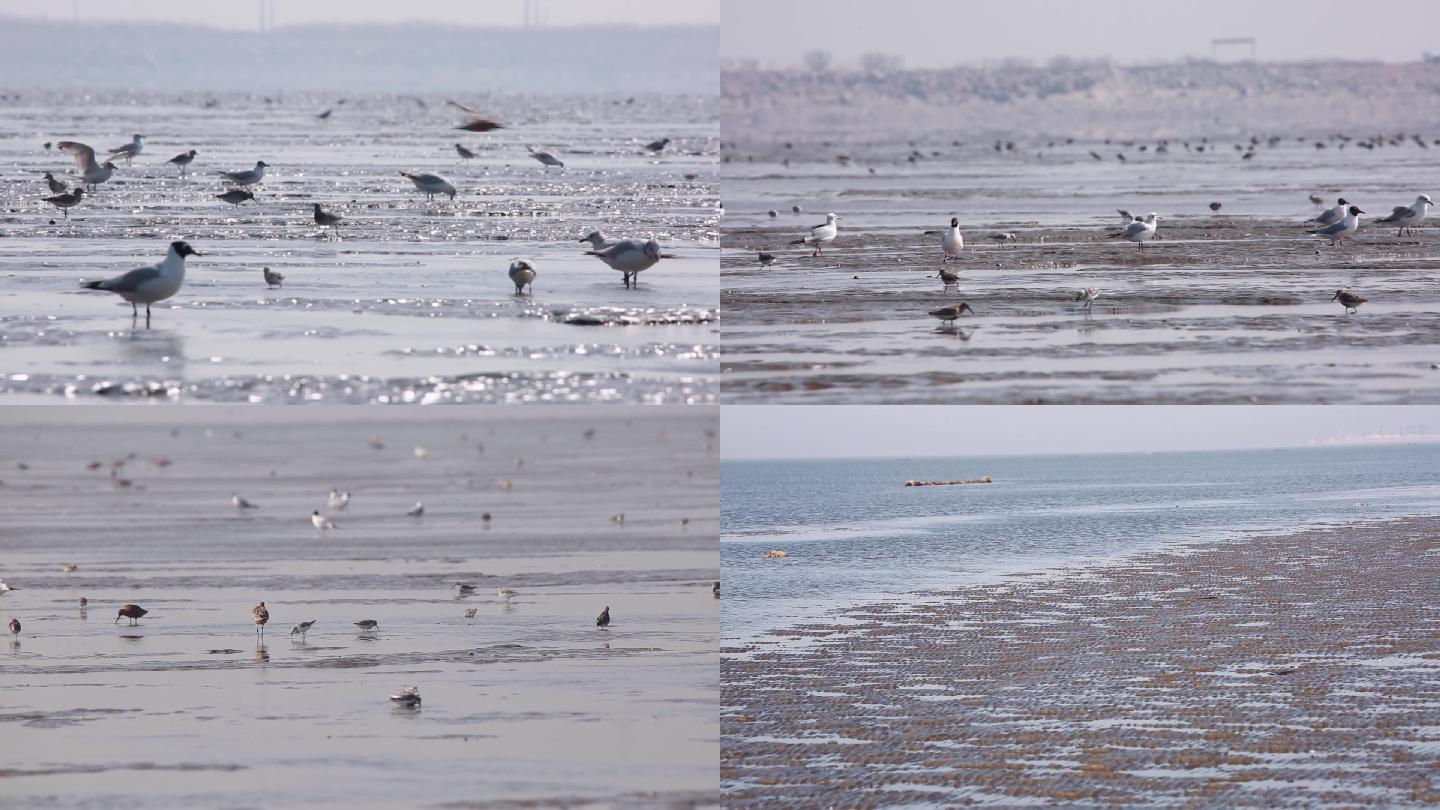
(56, 186)
(261, 615)
(522, 273)
(302, 628)
(949, 314)
(67, 201)
(1088, 295)
(320, 521)
(465, 154)
(603, 620)
(822, 234)
(235, 196)
(131, 612)
(272, 278)
(146, 285)
(367, 624)
(183, 160)
(15, 627)
(1349, 300)
(327, 220)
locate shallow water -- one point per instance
(411, 301)
(1229, 307)
(526, 702)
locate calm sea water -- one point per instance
(852, 531)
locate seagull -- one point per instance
(416, 511)
(1339, 230)
(546, 158)
(506, 593)
(56, 186)
(597, 240)
(630, 256)
(463, 589)
(129, 150)
(5, 586)
(240, 503)
(67, 201)
(603, 620)
(952, 242)
(431, 184)
(1349, 300)
(247, 177)
(1088, 295)
(235, 196)
(146, 285)
(131, 612)
(821, 234)
(766, 259)
(1402, 217)
(337, 499)
(320, 522)
(949, 314)
(658, 146)
(1332, 215)
(465, 154)
(261, 616)
(522, 272)
(272, 278)
(1138, 230)
(302, 628)
(408, 697)
(91, 172)
(367, 624)
(183, 160)
(327, 220)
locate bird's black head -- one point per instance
(262, 163)
(1342, 201)
(1355, 209)
(954, 222)
(183, 249)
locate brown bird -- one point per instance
(603, 620)
(261, 616)
(83, 602)
(949, 314)
(15, 627)
(477, 122)
(67, 201)
(327, 220)
(56, 186)
(235, 196)
(465, 154)
(131, 612)
(1350, 300)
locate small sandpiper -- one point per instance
(416, 511)
(261, 615)
(465, 154)
(15, 627)
(522, 274)
(1350, 300)
(302, 628)
(506, 593)
(949, 314)
(766, 259)
(367, 624)
(183, 160)
(1088, 295)
(56, 186)
(463, 589)
(408, 697)
(272, 278)
(546, 158)
(948, 278)
(658, 146)
(240, 503)
(470, 612)
(603, 620)
(131, 612)
(67, 201)
(235, 196)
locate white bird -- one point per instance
(272, 278)
(5, 586)
(1138, 230)
(247, 177)
(463, 589)
(952, 242)
(240, 503)
(91, 172)
(1406, 216)
(821, 234)
(146, 285)
(431, 184)
(337, 499)
(630, 256)
(1332, 215)
(598, 240)
(1002, 238)
(546, 158)
(506, 593)
(302, 628)
(1337, 232)
(408, 697)
(522, 272)
(320, 522)
(416, 511)
(1088, 295)
(129, 150)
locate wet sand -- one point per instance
(525, 704)
(1294, 669)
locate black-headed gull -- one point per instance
(1337, 232)
(146, 285)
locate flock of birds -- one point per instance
(153, 283)
(1336, 224)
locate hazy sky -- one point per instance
(846, 431)
(936, 33)
(246, 13)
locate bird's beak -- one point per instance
(1362, 212)
(1333, 297)
(667, 255)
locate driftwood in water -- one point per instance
(984, 479)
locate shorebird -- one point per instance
(67, 201)
(1088, 295)
(1403, 217)
(465, 154)
(1138, 230)
(1337, 231)
(247, 177)
(597, 240)
(302, 628)
(948, 278)
(416, 511)
(337, 499)
(183, 160)
(821, 234)
(506, 593)
(658, 146)
(522, 272)
(367, 624)
(773, 213)
(1349, 300)
(15, 627)
(235, 196)
(603, 620)
(408, 696)
(70, 568)
(463, 589)
(1215, 206)
(327, 220)
(546, 158)
(83, 602)
(146, 285)
(470, 612)
(56, 186)
(949, 314)
(129, 150)
(320, 522)
(1002, 238)
(91, 172)
(272, 278)
(795, 209)
(1316, 199)
(630, 257)
(240, 503)
(766, 259)
(1331, 215)
(5, 586)
(715, 589)
(261, 616)
(131, 612)
(430, 185)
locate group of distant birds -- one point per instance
(154, 283)
(1336, 224)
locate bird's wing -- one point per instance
(1332, 228)
(84, 155)
(131, 281)
(1134, 229)
(1122, 212)
(457, 105)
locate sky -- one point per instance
(861, 431)
(245, 14)
(938, 33)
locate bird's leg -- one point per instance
(147, 316)
(134, 311)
